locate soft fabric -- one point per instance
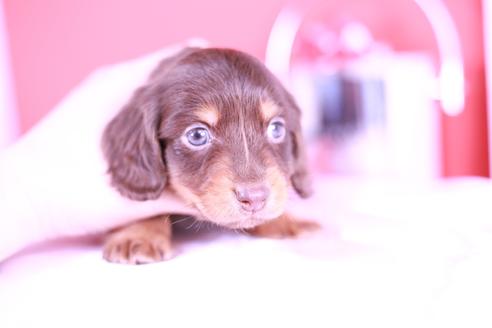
(391, 254)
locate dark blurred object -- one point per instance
(348, 104)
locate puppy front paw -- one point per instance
(142, 242)
(283, 227)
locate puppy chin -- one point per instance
(244, 220)
(245, 224)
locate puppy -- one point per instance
(219, 130)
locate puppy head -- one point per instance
(218, 128)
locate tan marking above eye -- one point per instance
(208, 114)
(269, 110)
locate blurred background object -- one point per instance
(364, 100)
(374, 62)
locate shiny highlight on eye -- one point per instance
(276, 130)
(196, 137)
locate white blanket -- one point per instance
(390, 255)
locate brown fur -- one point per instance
(283, 227)
(208, 115)
(233, 96)
(268, 110)
(141, 242)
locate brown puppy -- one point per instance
(217, 128)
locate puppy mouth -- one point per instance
(237, 209)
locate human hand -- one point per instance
(53, 180)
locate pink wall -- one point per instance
(56, 43)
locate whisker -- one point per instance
(191, 225)
(198, 225)
(182, 219)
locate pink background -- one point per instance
(56, 43)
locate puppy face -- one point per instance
(216, 127)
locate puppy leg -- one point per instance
(284, 226)
(142, 242)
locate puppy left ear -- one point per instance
(132, 149)
(300, 178)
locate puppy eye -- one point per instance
(196, 137)
(276, 130)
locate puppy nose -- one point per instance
(252, 198)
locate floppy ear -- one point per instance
(300, 178)
(132, 149)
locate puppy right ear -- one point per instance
(133, 150)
